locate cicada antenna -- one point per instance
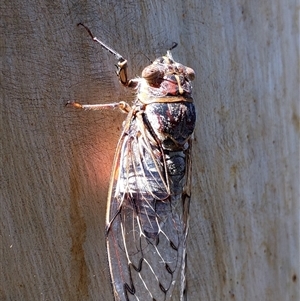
(147, 57)
(118, 56)
(174, 45)
(169, 54)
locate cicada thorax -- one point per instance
(166, 92)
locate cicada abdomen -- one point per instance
(149, 195)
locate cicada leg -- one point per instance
(121, 65)
(122, 105)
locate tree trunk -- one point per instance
(244, 224)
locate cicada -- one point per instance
(149, 194)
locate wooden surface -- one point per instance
(55, 162)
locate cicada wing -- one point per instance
(145, 230)
(186, 196)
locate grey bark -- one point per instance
(55, 163)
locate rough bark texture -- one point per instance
(55, 162)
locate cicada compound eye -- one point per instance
(152, 73)
(190, 73)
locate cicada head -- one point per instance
(166, 81)
(166, 66)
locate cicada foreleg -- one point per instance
(122, 73)
(121, 65)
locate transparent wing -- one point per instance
(146, 220)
